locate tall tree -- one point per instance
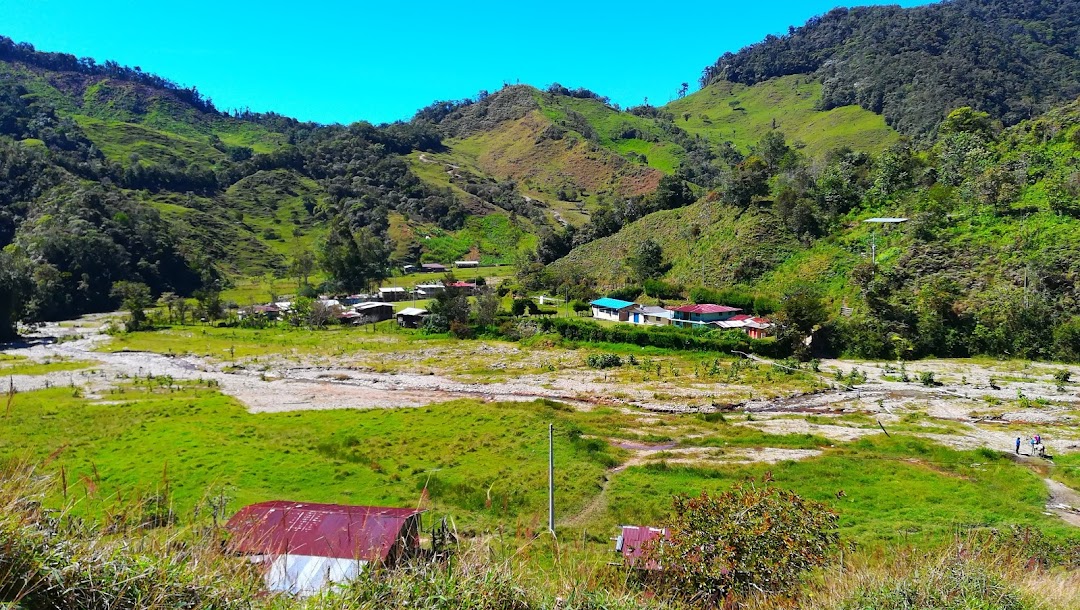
(354, 261)
(16, 286)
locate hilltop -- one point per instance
(1013, 60)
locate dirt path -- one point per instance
(1064, 502)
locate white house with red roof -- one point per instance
(754, 326)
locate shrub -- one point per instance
(628, 293)
(603, 361)
(662, 290)
(1062, 376)
(927, 378)
(749, 539)
(580, 306)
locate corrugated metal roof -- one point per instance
(706, 308)
(611, 303)
(653, 310)
(371, 305)
(887, 219)
(634, 541)
(412, 311)
(318, 530)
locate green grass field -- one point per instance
(732, 112)
(480, 461)
(484, 463)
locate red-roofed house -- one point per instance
(702, 313)
(304, 546)
(757, 328)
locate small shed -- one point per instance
(467, 264)
(611, 309)
(635, 540)
(433, 268)
(374, 312)
(412, 317)
(305, 547)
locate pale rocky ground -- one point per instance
(965, 410)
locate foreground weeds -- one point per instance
(51, 560)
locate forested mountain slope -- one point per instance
(988, 262)
(1013, 59)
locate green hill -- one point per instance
(986, 262)
(1010, 59)
(742, 115)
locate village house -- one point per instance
(305, 547)
(650, 315)
(466, 287)
(756, 328)
(433, 268)
(369, 313)
(611, 309)
(392, 294)
(702, 313)
(411, 317)
(466, 264)
(270, 312)
(427, 291)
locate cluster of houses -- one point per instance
(439, 267)
(349, 310)
(699, 315)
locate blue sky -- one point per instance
(381, 61)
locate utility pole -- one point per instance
(551, 478)
(873, 248)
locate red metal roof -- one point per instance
(706, 308)
(739, 317)
(635, 541)
(322, 530)
(463, 285)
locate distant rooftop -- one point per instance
(705, 308)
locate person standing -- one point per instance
(1033, 446)
(1018, 445)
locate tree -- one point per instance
(486, 306)
(647, 261)
(169, 300)
(302, 266)
(16, 288)
(209, 303)
(135, 298)
(749, 179)
(353, 261)
(683, 88)
(749, 539)
(801, 312)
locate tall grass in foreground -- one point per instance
(54, 560)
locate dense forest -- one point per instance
(1013, 59)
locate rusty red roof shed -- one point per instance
(635, 540)
(705, 308)
(323, 530)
